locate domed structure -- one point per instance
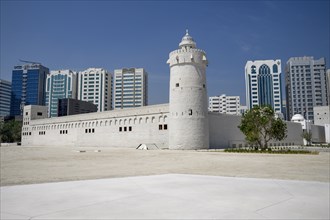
(297, 118)
(187, 41)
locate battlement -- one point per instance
(192, 50)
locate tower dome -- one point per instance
(187, 41)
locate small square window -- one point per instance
(89, 130)
(177, 85)
(160, 127)
(120, 128)
(130, 128)
(39, 113)
(125, 128)
(93, 130)
(26, 113)
(165, 127)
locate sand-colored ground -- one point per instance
(27, 165)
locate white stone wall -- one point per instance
(224, 132)
(138, 125)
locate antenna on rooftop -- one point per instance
(32, 62)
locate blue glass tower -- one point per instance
(28, 87)
(60, 84)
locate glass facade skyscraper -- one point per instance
(5, 94)
(28, 86)
(60, 84)
(130, 88)
(263, 84)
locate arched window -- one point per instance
(153, 120)
(165, 118)
(253, 69)
(275, 68)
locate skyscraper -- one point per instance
(225, 104)
(60, 84)
(28, 86)
(306, 86)
(263, 84)
(95, 86)
(5, 93)
(130, 88)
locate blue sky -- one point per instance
(116, 34)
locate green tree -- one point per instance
(259, 125)
(307, 135)
(10, 131)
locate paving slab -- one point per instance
(168, 196)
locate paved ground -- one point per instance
(27, 165)
(194, 184)
(169, 196)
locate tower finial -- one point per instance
(187, 32)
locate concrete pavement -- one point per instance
(169, 196)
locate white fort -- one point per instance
(188, 97)
(184, 123)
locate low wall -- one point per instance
(224, 132)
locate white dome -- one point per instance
(187, 41)
(297, 117)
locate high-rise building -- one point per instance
(95, 86)
(225, 104)
(28, 86)
(5, 94)
(60, 84)
(130, 88)
(306, 86)
(263, 84)
(328, 83)
(68, 106)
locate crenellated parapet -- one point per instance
(187, 55)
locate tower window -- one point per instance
(165, 127)
(177, 85)
(190, 112)
(160, 127)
